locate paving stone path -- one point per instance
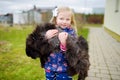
(104, 54)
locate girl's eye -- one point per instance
(61, 18)
(67, 19)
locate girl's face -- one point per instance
(64, 19)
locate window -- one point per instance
(117, 6)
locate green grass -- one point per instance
(83, 32)
(14, 64)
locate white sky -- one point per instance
(11, 6)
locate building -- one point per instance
(6, 19)
(112, 18)
(33, 16)
(20, 18)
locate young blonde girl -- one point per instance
(56, 67)
(67, 54)
(58, 10)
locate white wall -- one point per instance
(20, 18)
(112, 18)
(37, 17)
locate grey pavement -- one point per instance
(104, 54)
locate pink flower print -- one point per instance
(48, 68)
(65, 64)
(48, 59)
(52, 55)
(59, 59)
(54, 65)
(59, 69)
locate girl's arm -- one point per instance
(62, 38)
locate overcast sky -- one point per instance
(14, 6)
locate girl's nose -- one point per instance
(64, 21)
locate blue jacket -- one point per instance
(57, 61)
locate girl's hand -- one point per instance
(63, 37)
(51, 33)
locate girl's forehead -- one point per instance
(65, 13)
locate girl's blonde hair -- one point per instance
(61, 9)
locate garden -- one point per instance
(14, 63)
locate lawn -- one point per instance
(14, 64)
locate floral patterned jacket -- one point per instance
(57, 61)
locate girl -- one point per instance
(59, 58)
(57, 65)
